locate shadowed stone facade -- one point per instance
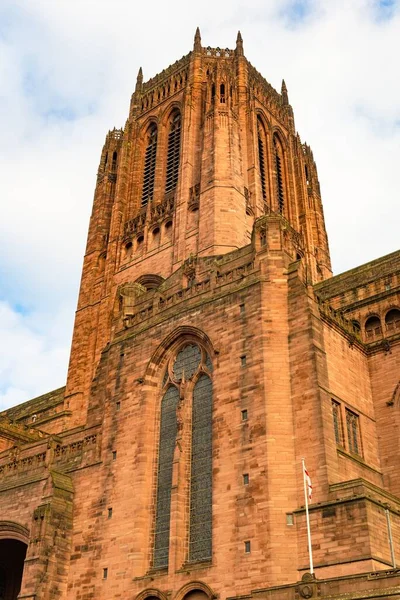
(212, 351)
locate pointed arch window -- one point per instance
(173, 152)
(262, 149)
(279, 166)
(149, 170)
(186, 420)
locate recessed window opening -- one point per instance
(262, 156)
(109, 513)
(247, 547)
(337, 423)
(213, 91)
(118, 405)
(306, 172)
(168, 225)
(114, 455)
(244, 414)
(243, 360)
(156, 231)
(373, 327)
(140, 240)
(149, 165)
(105, 573)
(114, 162)
(222, 93)
(173, 152)
(105, 160)
(242, 308)
(246, 479)
(392, 320)
(279, 174)
(353, 432)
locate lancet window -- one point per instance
(149, 170)
(186, 434)
(279, 167)
(173, 152)
(262, 148)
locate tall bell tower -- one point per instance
(208, 149)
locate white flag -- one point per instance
(308, 483)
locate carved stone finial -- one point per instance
(197, 41)
(239, 44)
(284, 93)
(139, 81)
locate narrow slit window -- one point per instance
(149, 170)
(173, 152)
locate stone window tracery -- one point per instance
(186, 432)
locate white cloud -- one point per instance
(67, 70)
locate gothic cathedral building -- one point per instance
(212, 352)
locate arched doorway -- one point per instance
(12, 557)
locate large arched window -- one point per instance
(186, 420)
(149, 170)
(262, 158)
(173, 152)
(279, 168)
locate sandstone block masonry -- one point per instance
(212, 351)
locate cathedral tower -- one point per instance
(209, 149)
(212, 352)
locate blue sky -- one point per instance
(67, 70)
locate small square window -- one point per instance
(243, 360)
(246, 479)
(247, 547)
(289, 519)
(244, 415)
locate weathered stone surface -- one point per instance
(234, 262)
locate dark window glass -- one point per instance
(200, 536)
(168, 431)
(337, 423)
(353, 432)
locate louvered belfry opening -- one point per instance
(149, 165)
(279, 174)
(173, 153)
(261, 157)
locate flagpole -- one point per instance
(307, 518)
